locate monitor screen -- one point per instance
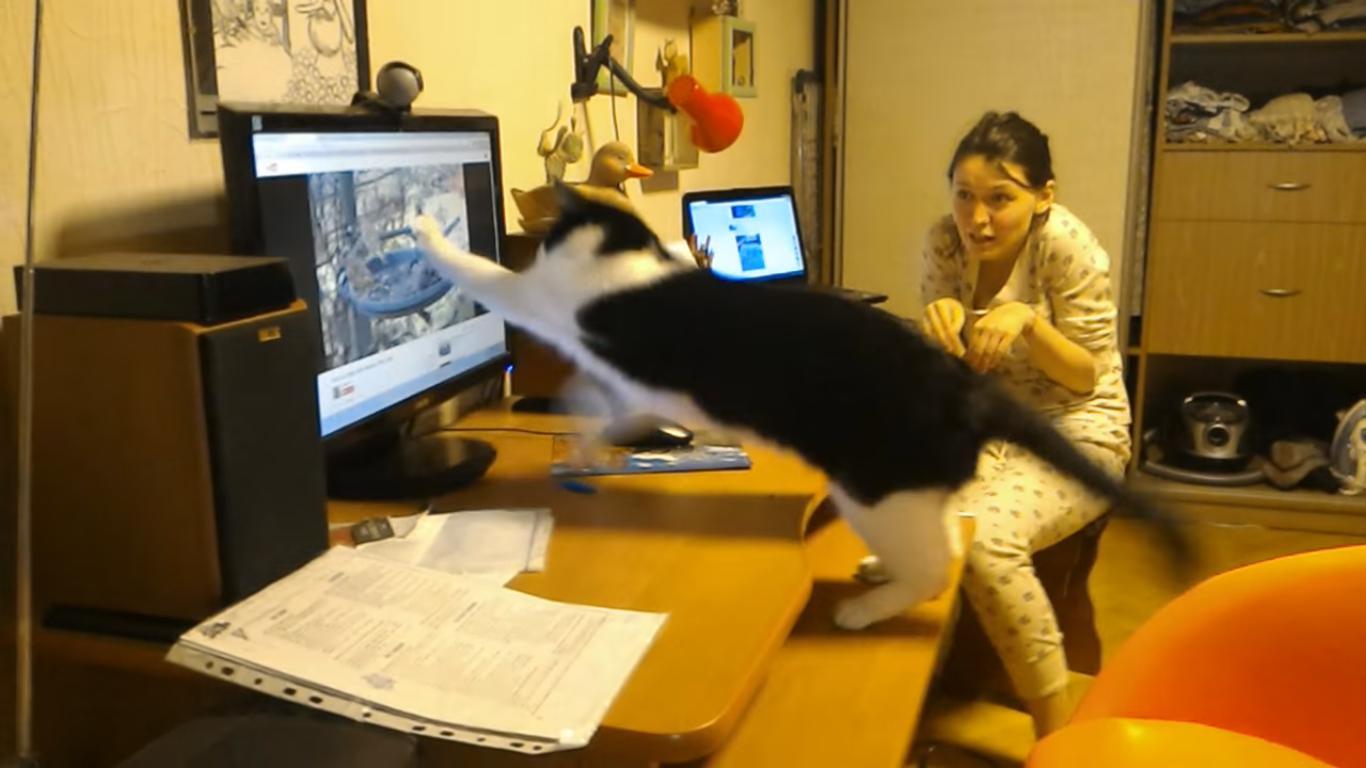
(340, 205)
(749, 239)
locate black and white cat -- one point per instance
(895, 423)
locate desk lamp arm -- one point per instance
(587, 65)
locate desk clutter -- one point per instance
(419, 650)
(414, 630)
(490, 544)
(704, 454)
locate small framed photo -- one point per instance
(272, 52)
(738, 61)
(615, 18)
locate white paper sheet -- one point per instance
(416, 649)
(490, 544)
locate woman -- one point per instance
(1018, 287)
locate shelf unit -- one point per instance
(1260, 146)
(1267, 38)
(1253, 252)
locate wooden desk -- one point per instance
(821, 703)
(720, 552)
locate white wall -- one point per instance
(513, 59)
(919, 74)
(16, 52)
(117, 169)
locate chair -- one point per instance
(1257, 666)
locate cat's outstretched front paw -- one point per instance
(428, 233)
(853, 614)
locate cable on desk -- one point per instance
(519, 430)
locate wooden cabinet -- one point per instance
(1258, 289)
(1322, 185)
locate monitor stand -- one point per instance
(398, 465)
(541, 404)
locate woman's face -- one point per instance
(993, 206)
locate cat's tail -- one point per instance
(1004, 418)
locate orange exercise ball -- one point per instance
(1117, 742)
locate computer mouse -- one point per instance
(665, 436)
(648, 433)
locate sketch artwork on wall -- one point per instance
(310, 52)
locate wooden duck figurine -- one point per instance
(613, 164)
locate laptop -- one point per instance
(752, 234)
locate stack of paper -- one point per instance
(490, 544)
(423, 651)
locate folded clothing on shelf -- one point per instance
(1320, 15)
(1354, 110)
(1229, 16)
(1195, 113)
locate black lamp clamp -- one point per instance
(586, 67)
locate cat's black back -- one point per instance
(622, 231)
(854, 390)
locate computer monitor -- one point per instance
(335, 191)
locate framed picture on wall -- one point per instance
(615, 18)
(271, 51)
(739, 61)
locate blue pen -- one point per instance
(575, 486)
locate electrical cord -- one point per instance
(23, 721)
(517, 430)
(612, 94)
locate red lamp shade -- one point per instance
(716, 117)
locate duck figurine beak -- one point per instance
(638, 171)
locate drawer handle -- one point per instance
(1281, 293)
(1290, 186)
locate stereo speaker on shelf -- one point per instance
(177, 465)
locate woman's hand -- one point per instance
(943, 323)
(701, 253)
(993, 335)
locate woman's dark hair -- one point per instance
(1007, 137)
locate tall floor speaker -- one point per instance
(177, 466)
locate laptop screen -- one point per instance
(750, 238)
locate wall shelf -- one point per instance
(1280, 38)
(1261, 495)
(1261, 146)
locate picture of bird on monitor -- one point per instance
(377, 288)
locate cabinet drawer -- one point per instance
(1328, 186)
(1292, 291)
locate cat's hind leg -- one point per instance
(915, 544)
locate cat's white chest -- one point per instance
(564, 284)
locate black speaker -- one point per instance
(178, 467)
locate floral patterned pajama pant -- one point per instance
(1023, 505)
